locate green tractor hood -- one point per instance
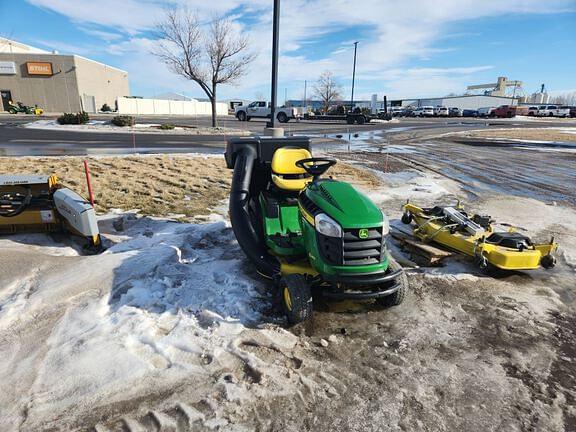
(344, 204)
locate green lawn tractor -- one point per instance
(20, 108)
(305, 232)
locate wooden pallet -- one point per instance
(423, 254)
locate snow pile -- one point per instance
(107, 126)
(172, 302)
(413, 185)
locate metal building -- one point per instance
(57, 83)
(462, 102)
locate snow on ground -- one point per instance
(107, 126)
(151, 311)
(413, 185)
(171, 322)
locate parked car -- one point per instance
(455, 112)
(563, 111)
(553, 111)
(485, 111)
(393, 111)
(440, 111)
(423, 111)
(469, 113)
(508, 111)
(547, 110)
(573, 111)
(533, 110)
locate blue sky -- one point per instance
(407, 48)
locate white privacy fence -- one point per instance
(158, 106)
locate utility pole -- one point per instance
(305, 94)
(275, 38)
(353, 76)
(285, 95)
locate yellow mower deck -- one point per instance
(431, 229)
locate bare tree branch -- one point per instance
(564, 99)
(327, 89)
(212, 56)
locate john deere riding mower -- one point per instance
(19, 107)
(305, 232)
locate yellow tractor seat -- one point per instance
(285, 174)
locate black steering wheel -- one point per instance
(14, 203)
(316, 166)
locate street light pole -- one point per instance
(275, 38)
(353, 76)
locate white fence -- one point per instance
(158, 106)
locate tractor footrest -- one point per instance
(361, 295)
(364, 279)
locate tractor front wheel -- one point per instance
(399, 295)
(296, 298)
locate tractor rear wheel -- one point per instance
(399, 296)
(296, 298)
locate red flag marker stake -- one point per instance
(88, 182)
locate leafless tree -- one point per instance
(564, 99)
(327, 89)
(208, 55)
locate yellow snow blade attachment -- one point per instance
(39, 203)
(474, 236)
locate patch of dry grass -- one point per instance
(533, 134)
(157, 185)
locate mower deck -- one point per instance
(475, 237)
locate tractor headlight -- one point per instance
(327, 226)
(385, 225)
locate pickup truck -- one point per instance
(508, 111)
(261, 109)
(485, 111)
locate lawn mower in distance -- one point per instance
(39, 203)
(475, 236)
(19, 107)
(306, 232)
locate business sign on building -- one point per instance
(7, 68)
(39, 68)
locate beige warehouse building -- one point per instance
(57, 83)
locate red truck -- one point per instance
(509, 111)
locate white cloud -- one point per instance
(396, 34)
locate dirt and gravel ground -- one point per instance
(464, 352)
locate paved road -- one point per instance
(18, 141)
